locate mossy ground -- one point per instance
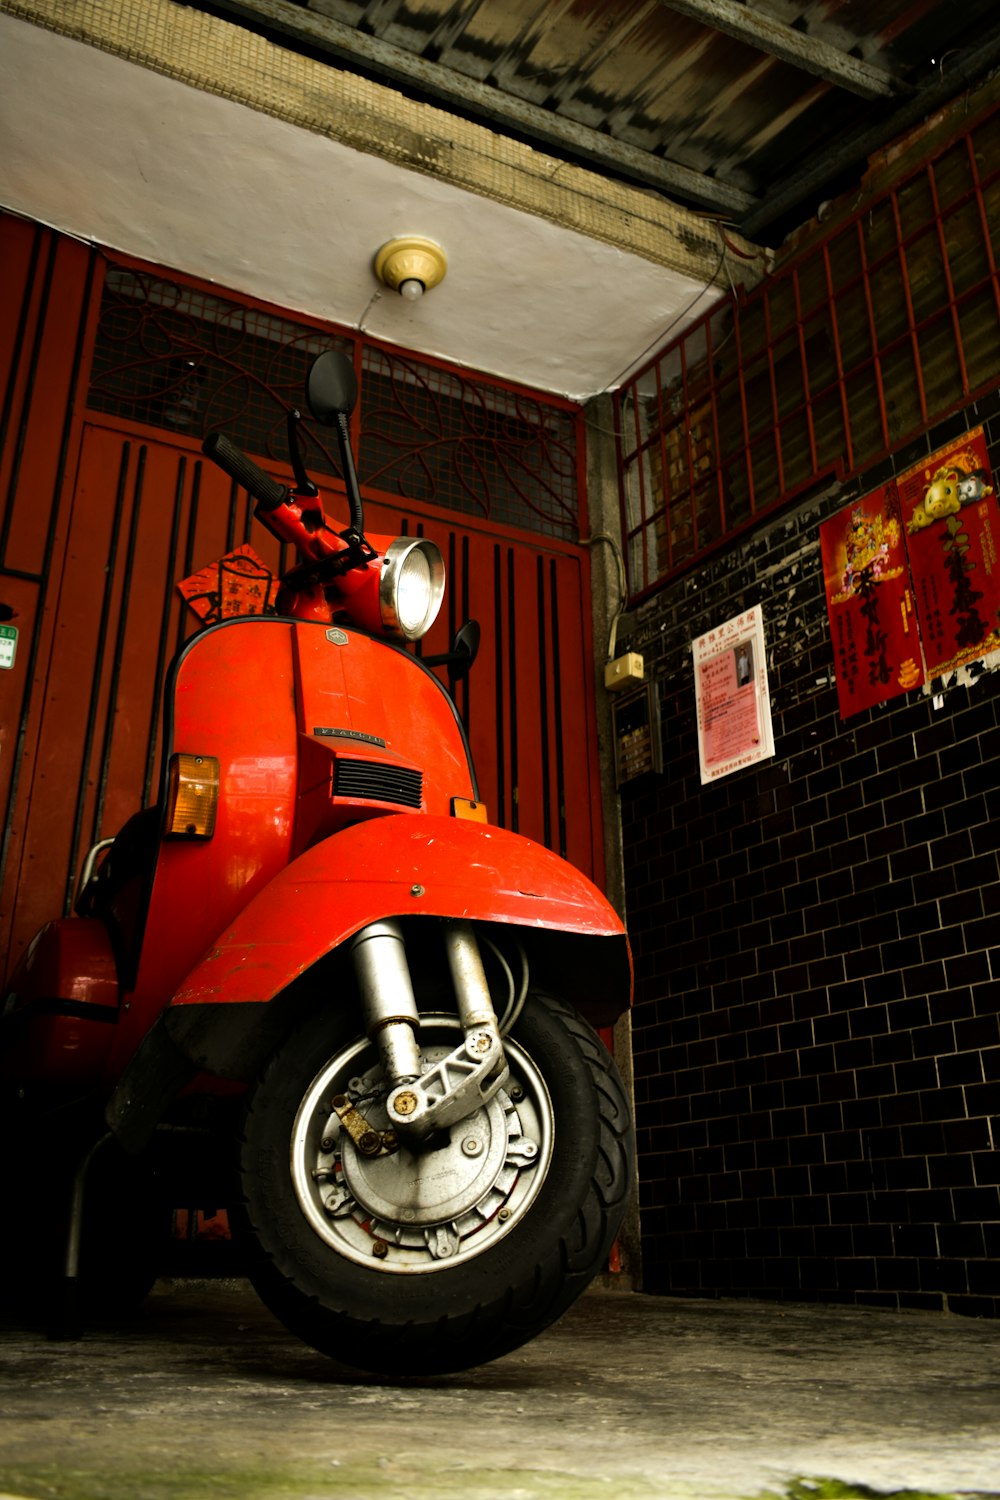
(391, 1480)
(837, 1489)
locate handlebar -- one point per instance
(265, 490)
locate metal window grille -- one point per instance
(170, 355)
(429, 433)
(852, 349)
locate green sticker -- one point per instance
(8, 646)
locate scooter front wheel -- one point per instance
(411, 1262)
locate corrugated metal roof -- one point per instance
(753, 111)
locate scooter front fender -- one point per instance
(221, 1019)
(397, 866)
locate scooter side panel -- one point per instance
(61, 1006)
(400, 865)
(233, 697)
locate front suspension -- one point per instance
(422, 1102)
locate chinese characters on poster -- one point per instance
(870, 602)
(951, 519)
(238, 584)
(911, 575)
(734, 708)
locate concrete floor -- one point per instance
(629, 1397)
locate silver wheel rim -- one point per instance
(408, 1213)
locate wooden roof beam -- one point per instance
(487, 103)
(789, 45)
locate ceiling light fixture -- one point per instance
(411, 265)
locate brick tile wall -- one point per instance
(817, 1022)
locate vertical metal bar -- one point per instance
(234, 501)
(452, 602)
(713, 397)
(651, 507)
(543, 703)
(501, 746)
(910, 315)
(37, 341)
(247, 520)
(643, 519)
(467, 679)
(640, 528)
(804, 364)
(101, 644)
(748, 462)
(956, 327)
(128, 577)
(20, 338)
(873, 334)
(775, 413)
(189, 547)
(512, 671)
(845, 415)
(688, 444)
(161, 649)
(558, 714)
(983, 221)
(667, 500)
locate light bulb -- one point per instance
(411, 289)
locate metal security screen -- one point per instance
(433, 434)
(770, 393)
(173, 356)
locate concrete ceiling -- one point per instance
(582, 165)
(126, 157)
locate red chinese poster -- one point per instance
(869, 602)
(238, 584)
(949, 511)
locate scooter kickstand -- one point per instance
(66, 1323)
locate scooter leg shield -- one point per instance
(421, 870)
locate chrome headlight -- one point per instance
(411, 587)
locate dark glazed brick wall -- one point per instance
(817, 1021)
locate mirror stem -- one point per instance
(350, 474)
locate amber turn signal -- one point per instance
(193, 796)
(475, 812)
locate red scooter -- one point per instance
(318, 979)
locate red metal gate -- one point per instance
(103, 514)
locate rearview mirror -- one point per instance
(331, 387)
(464, 650)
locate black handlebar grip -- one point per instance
(265, 490)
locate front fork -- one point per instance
(419, 1103)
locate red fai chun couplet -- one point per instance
(870, 602)
(949, 512)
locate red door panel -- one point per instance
(101, 516)
(146, 511)
(527, 703)
(140, 510)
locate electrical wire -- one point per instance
(515, 1003)
(510, 980)
(616, 551)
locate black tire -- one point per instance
(538, 1252)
